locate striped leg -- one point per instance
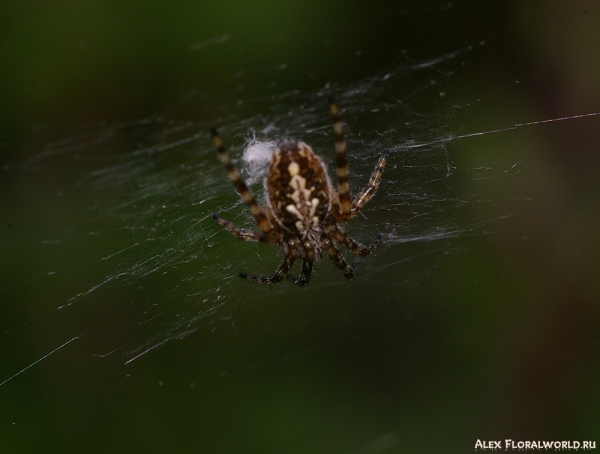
(354, 246)
(280, 272)
(366, 194)
(307, 266)
(259, 216)
(337, 259)
(302, 280)
(244, 234)
(342, 166)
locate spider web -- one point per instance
(162, 182)
(139, 262)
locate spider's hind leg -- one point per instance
(343, 210)
(245, 194)
(366, 194)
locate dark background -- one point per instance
(487, 331)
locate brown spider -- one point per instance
(302, 212)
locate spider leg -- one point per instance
(259, 216)
(354, 246)
(302, 280)
(343, 210)
(244, 234)
(337, 259)
(307, 266)
(371, 187)
(280, 272)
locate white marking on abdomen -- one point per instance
(293, 168)
(292, 209)
(299, 184)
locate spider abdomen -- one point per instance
(297, 188)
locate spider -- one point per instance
(303, 213)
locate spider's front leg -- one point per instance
(280, 272)
(354, 246)
(337, 258)
(307, 266)
(244, 234)
(302, 280)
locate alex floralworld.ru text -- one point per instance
(524, 445)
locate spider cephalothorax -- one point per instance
(302, 211)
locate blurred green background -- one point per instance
(490, 332)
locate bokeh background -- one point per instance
(487, 329)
